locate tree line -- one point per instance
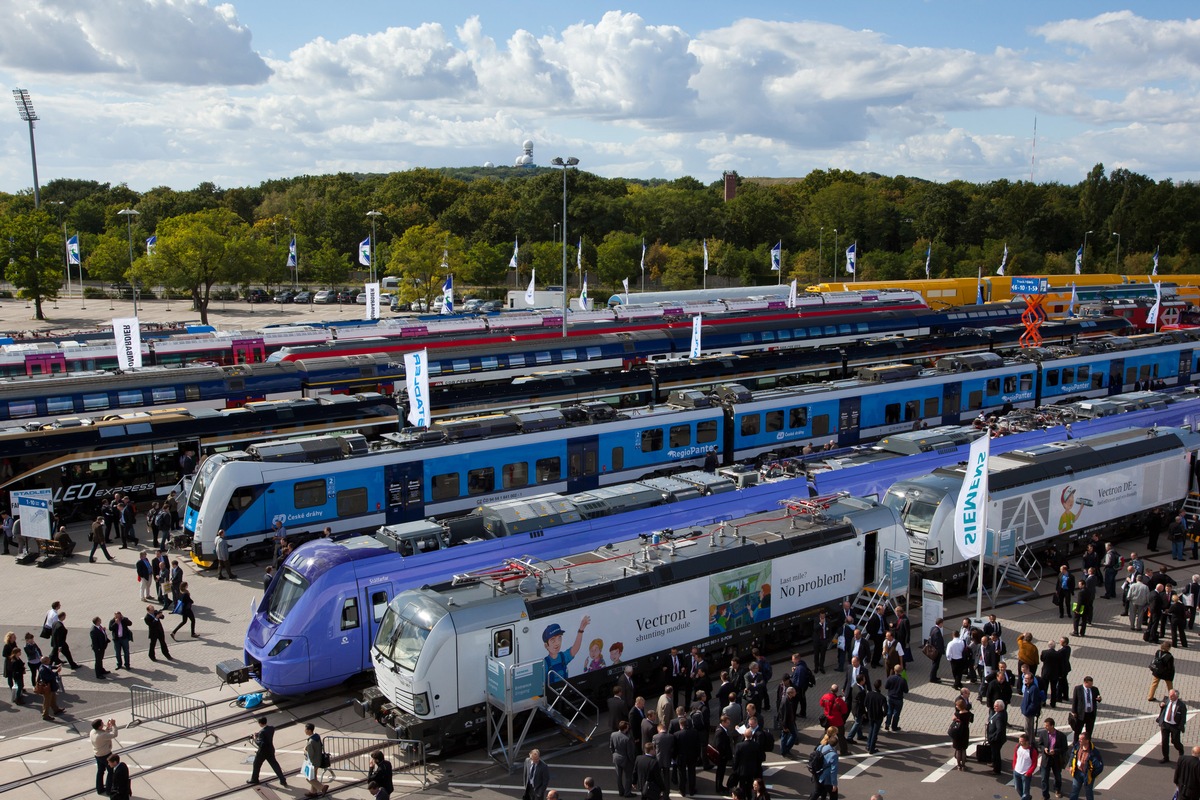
(471, 219)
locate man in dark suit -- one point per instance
(119, 786)
(156, 634)
(650, 730)
(821, 636)
(628, 690)
(1084, 703)
(846, 632)
(1052, 752)
(937, 640)
(687, 756)
(1064, 669)
(723, 743)
(591, 790)
(996, 732)
(876, 628)
(748, 759)
(58, 642)
(1050, 671)
(537, 776)
(99, 645)
(637, 715)
(1172, 721)
(677, 673)
(264, 750)
(851, 686)
(624, 752)
(618, 711)
(647, 775)
(664, 751)
(1187, 775)
(802, 681)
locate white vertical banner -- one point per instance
(529, 295)
(372, 310)
(970, 512)
(696, 322)
(416, 377)
(792, 299)
(128, 336)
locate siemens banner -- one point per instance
(128, 335)
(970, 512)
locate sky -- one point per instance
(178, 92)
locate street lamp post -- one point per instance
(25, 109)
(569, 162)
(554, 233)
(373, 214)
(1118, 259)
(1084, 256)
(835, 254)
(821, 254)
(129, 214)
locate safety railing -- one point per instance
(152, 705)
(353, 754)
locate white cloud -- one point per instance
(152, 41)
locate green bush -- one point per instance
(224, 294)
(94, 293)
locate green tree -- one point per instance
(416, 258)
(325, 265)
(619, 257)
(36, 257)
(198, 250)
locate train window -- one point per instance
(1068, 375)
(706, 431)
(481, 480)
(352, 501)
(797, 417)
(652, 440)
(191, 392)
(548, 469)
(378, 605)
(891, 413)
(489, 362)
(975, 400)
(349, 613)
(1130, 374)
(593, 354)
(1027, 382)
(992, 387)
(461, 365)
(1082, 373)
(569, 355)
(750, 424)
(59, 405)
(844, 329)
(288, 588)
(820, 425)
(768, 336)
(681, 435)
(129, 397)
(1098, 379)
(307, 494)
(514, 476)
(1051, 377)
(1010, 383)
(785, 336)
(1148, 371)
(912, 410)
(774, 421)
(516, 360)
(435, 367)
(747, 338)
(618, 458)
(502, 643)
(931, 406)
(163, 394)
(166, 468)
(93, 402)
(800, 333)
(19, 408)
(542, 357)
(444, 487)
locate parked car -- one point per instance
(492, 305)
(284, 296)
(257, 296)
(472, 304)
(398, 306)
(325, 296)
(385, 299)
(303, 297)
(348, 296)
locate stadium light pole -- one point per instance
(821, 254)
(25, 109)
(373, 214)
(129, 214)
(569, 162)
(1118, 259)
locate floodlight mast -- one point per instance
(25, 109)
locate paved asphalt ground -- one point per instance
(1111, 653)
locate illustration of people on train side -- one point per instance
(557, 659)
(1071, 509)
(595, 660)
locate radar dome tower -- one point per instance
(526, 158)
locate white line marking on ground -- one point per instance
(1129, 763)
(860, 768)
(940, 772)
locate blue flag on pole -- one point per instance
(851, 258)
(73, 249)
(512, 262)
(151, 245)
(1155, 270)
(364, 252)
(928, 255)
(1003, 260)
(1079, 260)
(448, 295)
(776, 256)
(291, 262)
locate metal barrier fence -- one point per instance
(153, 705)
(353, 754)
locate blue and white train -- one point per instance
(456, 465)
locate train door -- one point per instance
(374, 603)
(1185, 367)
(870, 558)
(45, 364)
(951, 401)
(503, 644)
(404, 486)
(248, 351)
(1116, 377)
(848, 413)
(583, 463)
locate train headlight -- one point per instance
(932, 556)
(421, 703)
(279, 647)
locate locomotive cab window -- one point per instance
(502, 643)
(349, 613)
(379, 601)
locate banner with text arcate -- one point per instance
(416, 376)
(372, 292)
(128, 335)
(971, 509)
(695, 337)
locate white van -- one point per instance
(390, 282)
